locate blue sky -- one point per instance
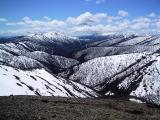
(83, 16)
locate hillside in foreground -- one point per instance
(59, 108)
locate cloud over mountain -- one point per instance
(86, 23)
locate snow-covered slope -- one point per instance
(120, 45)
(39, 82)
(95, 71)
(51, 36)
(63, 45)
(94, 52)
(126, 65)
(129, 40)
(50, 42)
(129, 74)
(53, 62)
(29, 55)
(21, 62)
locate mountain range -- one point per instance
(54, 64)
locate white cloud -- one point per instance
(86, 23)
(152, 14)
(46, 18)
(158, 23)
(3, 20)
(26, 19)
(122, 13)
(87, 18)
(56, 23)
(84, 18)
(124, 24)
(141, 23)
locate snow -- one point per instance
(133, 74)
(134, 41)
(58, 61)
(16, 82)
(109, 93)
(152, 41)
(13, 48)
(135, 100)
(150, 84)
(94, 72)
(5, 56)
(25, 63)
(94, 52)
(130, 67)
(51, 36)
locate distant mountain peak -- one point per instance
(50, 35)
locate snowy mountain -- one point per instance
(135, 75)
(51, 42)
(120, 45)
(89, 66)
(51, 36)
(39, 51)
(39, 82)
